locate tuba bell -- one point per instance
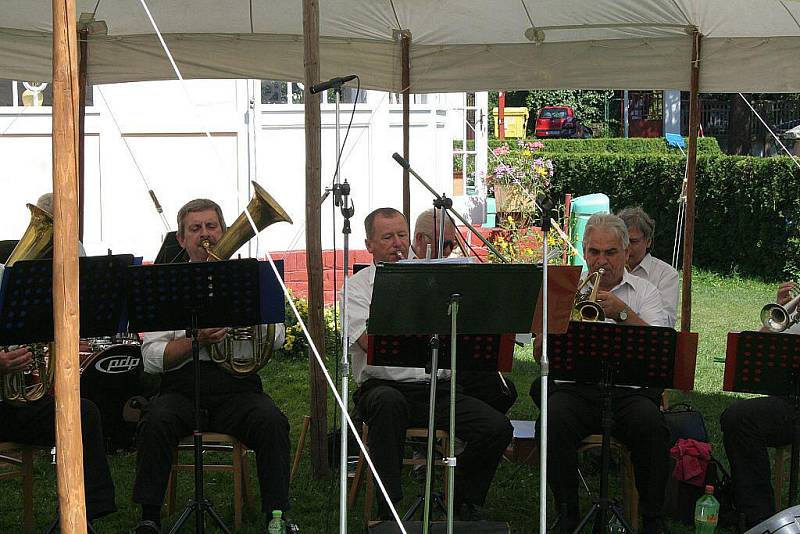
(586, 307)
(31, 384)
(264, 211)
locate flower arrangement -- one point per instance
(295, 345)
(524, 244)
(518, 177)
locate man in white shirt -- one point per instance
(749, 426)
(575, 409)
(392, 399)
(231, 405)
(642, 264)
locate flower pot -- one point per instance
(510, 198)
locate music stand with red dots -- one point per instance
(608, 355)
(767, 363)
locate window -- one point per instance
(397, 98)
(553, 113)
(279, 92)
(31, 94)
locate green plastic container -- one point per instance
(581, 209)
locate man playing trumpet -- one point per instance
(231, 404)
(749, 426)
(575, 408)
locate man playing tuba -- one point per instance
(32, 422)
(232, 405)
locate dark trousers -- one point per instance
(389, 408)
(34, 424)
(749, 427)
(491, 387)
(575, 413)
(230, 405)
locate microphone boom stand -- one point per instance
(444, 205)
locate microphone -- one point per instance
(322, 86)
(401, 160)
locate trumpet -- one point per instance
(777, 318)
(586, 307)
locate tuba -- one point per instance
(777, 318)
(586, 307)
(21, 387)
(265, 211)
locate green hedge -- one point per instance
(632, 145)
(747, 209)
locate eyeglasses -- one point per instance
(448, 243)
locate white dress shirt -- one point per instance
(665, 278)
(155, 343)
(359, 297)
(642, 297)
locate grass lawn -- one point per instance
(720, 305)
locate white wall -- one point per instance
(153, 135)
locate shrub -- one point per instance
(296, 345)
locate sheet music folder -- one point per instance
(413, 298)
(228, 293)
(26, 299)
(646, 356)
(766, 363)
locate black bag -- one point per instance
(682, 497)
(684, 422)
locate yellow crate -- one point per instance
(516, 121)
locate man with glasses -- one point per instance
(494, 389)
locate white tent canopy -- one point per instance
(748, 45)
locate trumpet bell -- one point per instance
(588, 311)
(775, 317)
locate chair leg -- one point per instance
(777, 474)
(248, 495)
(172, 485)
(356, 483)
(27, 490)
(301, 442)
(237, 484)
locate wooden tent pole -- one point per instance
(316, 324)
(691, 171)
(83, 44)
(405, 40)
(69, 467)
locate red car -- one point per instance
(560, 121)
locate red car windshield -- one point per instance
(553, 113)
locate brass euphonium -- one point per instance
(16, 388)
(265, 211)
(586, 307)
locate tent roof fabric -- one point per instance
(748, 45)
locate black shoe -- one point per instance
(566, 523)
(468, 512)
(291, 527)
(654, 525)
(147, 527)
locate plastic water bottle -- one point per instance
(706, 513)
(276, 524)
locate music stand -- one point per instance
(767, 363)
(609, 354)
(171, 251)
(178, 296)
(26, 299)
(451, 298)
(26, 302)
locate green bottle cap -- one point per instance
(276, 513)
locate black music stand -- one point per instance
(608, 355)
(178, 296)
(768, 363)
(26, 299)
(26, 302)
(451, 298)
